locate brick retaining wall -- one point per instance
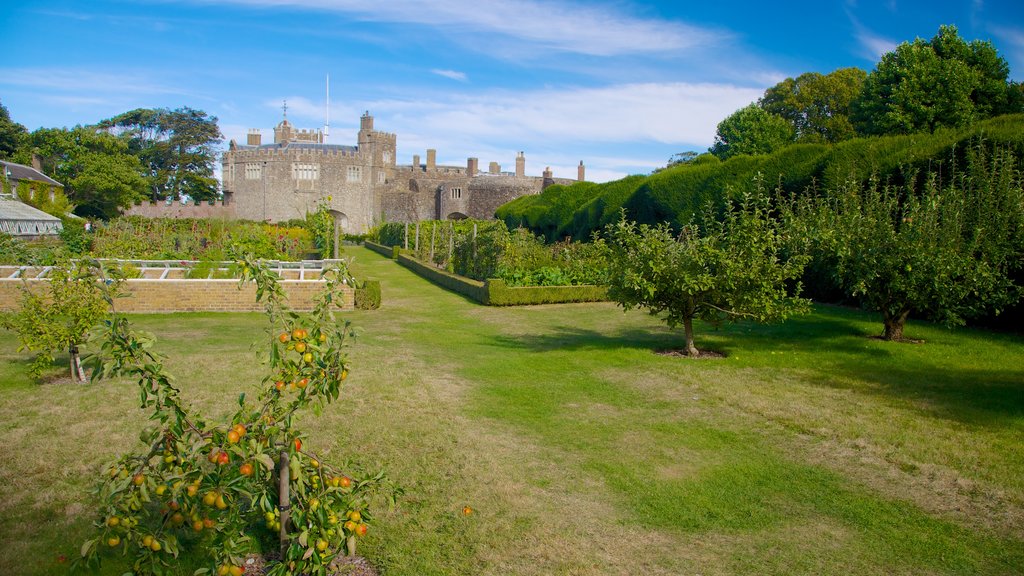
(190, 295)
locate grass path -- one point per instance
(810, 449)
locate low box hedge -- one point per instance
(499, 294)
(495, 292)
(386, 251)
(472, 288)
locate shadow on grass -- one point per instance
(979, 397)
(834, 345)
(812, 334)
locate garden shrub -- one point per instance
(367, 296)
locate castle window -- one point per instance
(381, 176)
(355, 173)
(456, 193)
(387, 156)
(306, 171)
(253, 171)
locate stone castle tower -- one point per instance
(362, 184)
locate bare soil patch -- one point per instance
(680, 353)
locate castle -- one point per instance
(363, 184)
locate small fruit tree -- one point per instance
(716, 269)
(209, 489)
(60, 317)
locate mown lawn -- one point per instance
(809, 449)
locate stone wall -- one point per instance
(189, 295)
(183, 210)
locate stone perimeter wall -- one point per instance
(182, 210)
(190, 295)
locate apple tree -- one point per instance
(945, 252)
(60, 316)
(714, 269)
(215, 489)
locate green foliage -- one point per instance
(320, 225)
(38, 195)
(751, 130)
(76, 240)
(12, 134)
(135, 237)
(944, 250)
(716, 269)
(927, 84)
(817, 105)
(59, 317)
(677, 193)
(100, 175)
(367, 296)
(177, 147)
(213, 487)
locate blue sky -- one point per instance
(619, 84)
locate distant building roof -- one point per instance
(21, 172)
(20, 219)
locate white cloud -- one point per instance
(563, 25)
(83, 81)
(872, 45)
(452, 74)
(618, 124)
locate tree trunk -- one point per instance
(284, 501)
(691, 350)
(77, 374)
(894, 325)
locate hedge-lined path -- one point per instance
(810, 449)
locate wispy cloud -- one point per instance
(557, 125)
(85, 81)
(564, 25)
(872, 45)
(453, 74)
(1012, 46)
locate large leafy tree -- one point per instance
(751, 130)
(817, 105)
(716, 269)
(946, 252)
(99, 174)
(928, 84)
(12, 134)
(177, 147)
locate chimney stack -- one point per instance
(549, 178)
(415, 161)
(495, 168)
(581, 172)
(472, 165)
(431, 159)
(254, 138)
(521, 165)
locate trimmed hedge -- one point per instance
(386, 251)
(368, 297)
(495, 292)
(501, 295)
(471, 288)
(673, 195)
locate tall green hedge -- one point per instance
(674, 194)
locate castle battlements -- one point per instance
(244, 155)
(361, 183)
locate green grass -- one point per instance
(809, 449)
